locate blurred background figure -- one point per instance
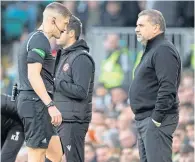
(103, 153)
(113, 15)
(109, 29)
(115, 66)
(129, 155)
(90, 154)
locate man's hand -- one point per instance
(56, 116)
(156, 123)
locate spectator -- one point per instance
(177, 143)
(100, 131)
(170, 11)
(181, 132)
(101, 98)
(186, 92)
(190, 133)
(114, 159)
(130, 11)
(126, 155)
(119, 99)
(129, 155)
(94, 13)
(111, 120)
(184, 119)
(115, 66)
(185, 8)
(103, 153)
(187, 154)
(123, 123)
(188, 61)
(130, 116)
(111, 139)
(127, 139)
(113, 15)
(90, 155)
(98, 118)
(71, 5)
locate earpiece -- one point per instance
(53, 20)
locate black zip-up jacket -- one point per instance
(9, 115)
(153, 91)
(74, 82)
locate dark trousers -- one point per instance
(12, 143)
(155, 143)
(72, 137)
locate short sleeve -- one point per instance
(38, 48)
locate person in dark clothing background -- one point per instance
(113, 15)
(154, 91)
(74, 82)
(130, 10)
(12, 132)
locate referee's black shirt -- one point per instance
(35, 49)
(153, 91)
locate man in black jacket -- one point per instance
(153, 93)
(12, 133)
(74, 82)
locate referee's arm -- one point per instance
(35, 59)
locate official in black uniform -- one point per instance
(154, 90)
(74, 82)
(12, 133)
(35, 68)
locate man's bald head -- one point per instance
(55, 19)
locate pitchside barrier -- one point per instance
(182, 38)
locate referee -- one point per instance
(35, 68)
(74, 82)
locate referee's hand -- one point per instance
(56, 116)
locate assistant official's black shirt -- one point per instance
(74, 82)
(35, 49)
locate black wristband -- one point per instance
(50, 104)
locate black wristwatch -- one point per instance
(50, 104)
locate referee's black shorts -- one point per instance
(72, 137)
(36, 120)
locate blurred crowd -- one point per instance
(23, 16)
(112, 135)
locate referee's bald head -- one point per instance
(57, 8)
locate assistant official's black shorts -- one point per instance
(36, 120)
(11, 142)
(72, 137)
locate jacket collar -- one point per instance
(154, 40)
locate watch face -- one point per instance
(50, 104)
